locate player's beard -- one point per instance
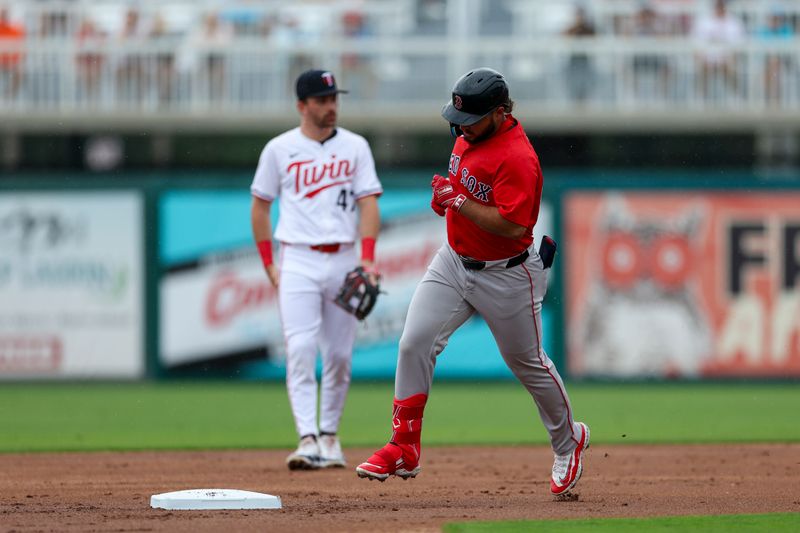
(328, 120)
(488, 132)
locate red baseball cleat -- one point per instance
(567, 469)
(400, 460)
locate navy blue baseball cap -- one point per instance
(476, 94)
(316, 83)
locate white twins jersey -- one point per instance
(317, 185)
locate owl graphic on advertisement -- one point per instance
(643, 316)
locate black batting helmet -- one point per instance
(476, 94)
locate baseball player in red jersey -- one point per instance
(324, 178)
(490, 198)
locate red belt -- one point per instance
(326, 248)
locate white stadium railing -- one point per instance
(397, 78)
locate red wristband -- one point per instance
(459, 202)
(368, 249)
(265, 250)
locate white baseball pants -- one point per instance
(312, 324)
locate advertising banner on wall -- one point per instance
(663, 284)
(217, 305)
(71, 285)
(222, 304)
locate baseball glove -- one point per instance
(358, 293)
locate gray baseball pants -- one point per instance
(510, 301)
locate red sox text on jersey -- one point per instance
(502, 171)
(478, 189)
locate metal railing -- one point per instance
(397, 81)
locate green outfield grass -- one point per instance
(776, 522)
(182, 415)
(44, 417)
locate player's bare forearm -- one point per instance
(369, 223)
(489, 219)
(262, 233)
(260, 219)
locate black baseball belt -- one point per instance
(473, 264)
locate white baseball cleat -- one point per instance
(330, 451)
(567, 469)
(306, 456)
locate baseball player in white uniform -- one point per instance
(327, 189)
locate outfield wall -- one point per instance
(218, 311)
(659, 275)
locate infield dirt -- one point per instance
(111, 491)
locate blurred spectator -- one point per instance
(649, 23)
(354, 24)
(202, 56)
(580, 71)
(46, 70)
(54, 22)
(778, 67)
(89, 61)
(666, 17)
(650, 70)
(266, 24)
(164, 58)
(356, 68)
(244, 19)
(11, 40)
(431, 17)
(291, 31)
(131, 71)
(716, 35)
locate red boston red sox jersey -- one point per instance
(317, 184)
(502, 171)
